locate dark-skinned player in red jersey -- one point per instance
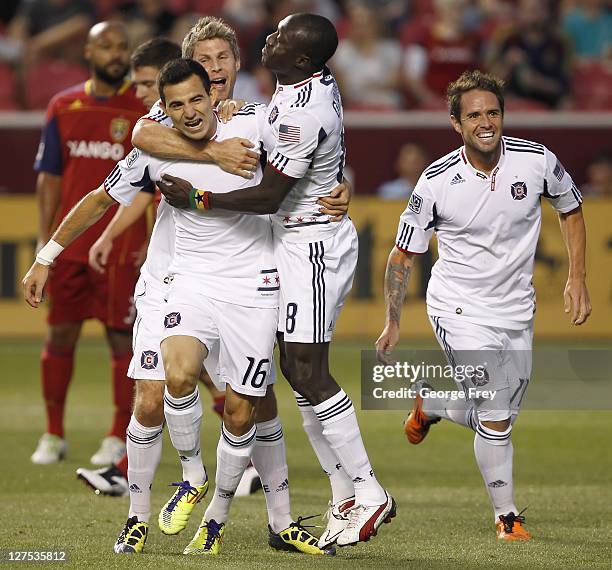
(87, 130)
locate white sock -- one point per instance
(458, 411)
(341, 484)
(340, 429)
(493, 450)
(184, 418)
(233, 455)
(270, 460)
(144, 448)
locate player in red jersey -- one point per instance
(87, 130)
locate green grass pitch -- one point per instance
(563, 467)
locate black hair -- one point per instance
(155, 53)
(179, 70)
(317, 37)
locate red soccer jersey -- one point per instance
(446, 59)
(83, 137)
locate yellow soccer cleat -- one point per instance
(296, 538)
(207, 540)
(175, 513)
(132, 538)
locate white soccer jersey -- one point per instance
(304, 138)
(487, 229)
(228, 254)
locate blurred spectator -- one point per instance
(366, 65)
(52, 28)
(489, 16)
(534, 59)
(245, 13)
(599, 178)
(409, 165)
(438, 49)
(145, 19)
(589, 25)
(392, 13)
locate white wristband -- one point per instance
(47, 255)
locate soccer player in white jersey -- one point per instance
(483, 202)
(213, 43)
(147, 367)
(136, 171)
(316, 259)
(145, 62)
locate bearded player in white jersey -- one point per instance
(316, 258)
(483, 202)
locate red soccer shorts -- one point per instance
(76, 293)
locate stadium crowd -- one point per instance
(553, 54)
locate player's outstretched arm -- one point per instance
(235, 155)
(86, 213)
(122, 220)
(576, 296)
(265, 198)
(397, 276)
(48, 193)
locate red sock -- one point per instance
(56, 372)
(123, 465)
(123, 394)
(219, 405)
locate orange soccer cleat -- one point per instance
(417, 423)
(510, 527)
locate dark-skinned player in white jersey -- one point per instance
(316, 259)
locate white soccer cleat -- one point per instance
(50, 449)
(249, 483)
(337, 518)
(106, 481)
(364, 521)
(111, 451)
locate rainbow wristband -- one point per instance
(199, 199)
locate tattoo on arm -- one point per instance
(397, 276)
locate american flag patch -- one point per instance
(288, 133)
(559, 171)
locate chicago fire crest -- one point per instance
(518, 190)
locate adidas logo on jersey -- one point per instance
(457, 179)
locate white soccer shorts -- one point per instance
(315, 279)
(243, 336)
(147, 362)
(504, 353)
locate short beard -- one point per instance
(102, 74)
